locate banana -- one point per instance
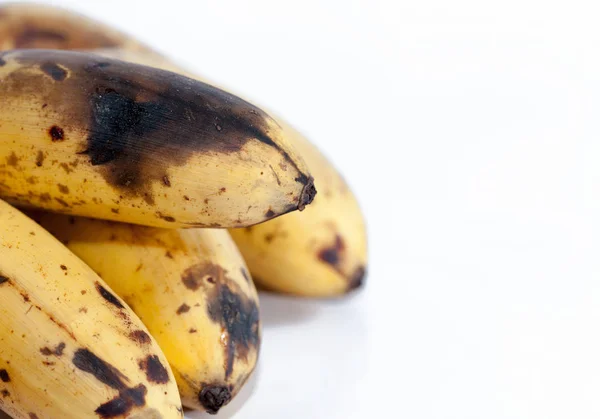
(321, 252)
(192, 290)
(42, 26)
(70, 348)
(97, 137)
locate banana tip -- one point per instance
(357, 280)
(308, 193)
(213, 398)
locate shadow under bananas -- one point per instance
(281, 310)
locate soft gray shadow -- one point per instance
(236, 404)
(280, 310)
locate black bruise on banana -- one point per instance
(121, 405)
(357, 280)
(213, 397)
(228, 306)
(4, 377)
(127, 399)
(155, 371)
(108, 296)
(334, 255)
(143, 120)
(57, 73)
(87, 361)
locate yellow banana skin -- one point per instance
(42, 26)
(91, 136)
(192, 290)
(70, 348)
(319, 253)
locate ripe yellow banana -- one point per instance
(192, 290)
(321, 252)
(69, 347)
(42, 26)
(92, 136)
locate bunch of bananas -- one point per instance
(148, 303)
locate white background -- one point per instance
(470, 132)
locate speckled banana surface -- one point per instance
(98, 137)
(42, 26)
(192, 290)
(321, 252)
(69, 347)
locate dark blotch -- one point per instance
(39, 160)
(56, 133)
(2, 61)
(155, 371)
(88, 362)
(63, 188)
(184, 308)
(166, 181)
(56, 72)
(62, 202)
(167, 218)
(58, 351)
(193, 276)
(213, 398)
(269, 213)
(33, 416)
(124, 403)
(108, 296)
(357, 279)
(140, 336)
(5, 393)
(3, 279)
(4, 376)
(332, 255)
(239, 316)
(145, 120)
(245, 274)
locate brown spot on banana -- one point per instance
(155, 371)
(141, 337)
(124, 402)
(4, 377)
(87, 361)
(108, 296)
(228, 306)
(128, 126)
(58, 351)
(56, 72)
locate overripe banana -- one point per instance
(69, 347)
(93, 136)
(192, 290)
(321, 252)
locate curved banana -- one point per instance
(321, 252)
(70, 348)
(325, 265)
(192, 290)
(97, 137)
(42, 26)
